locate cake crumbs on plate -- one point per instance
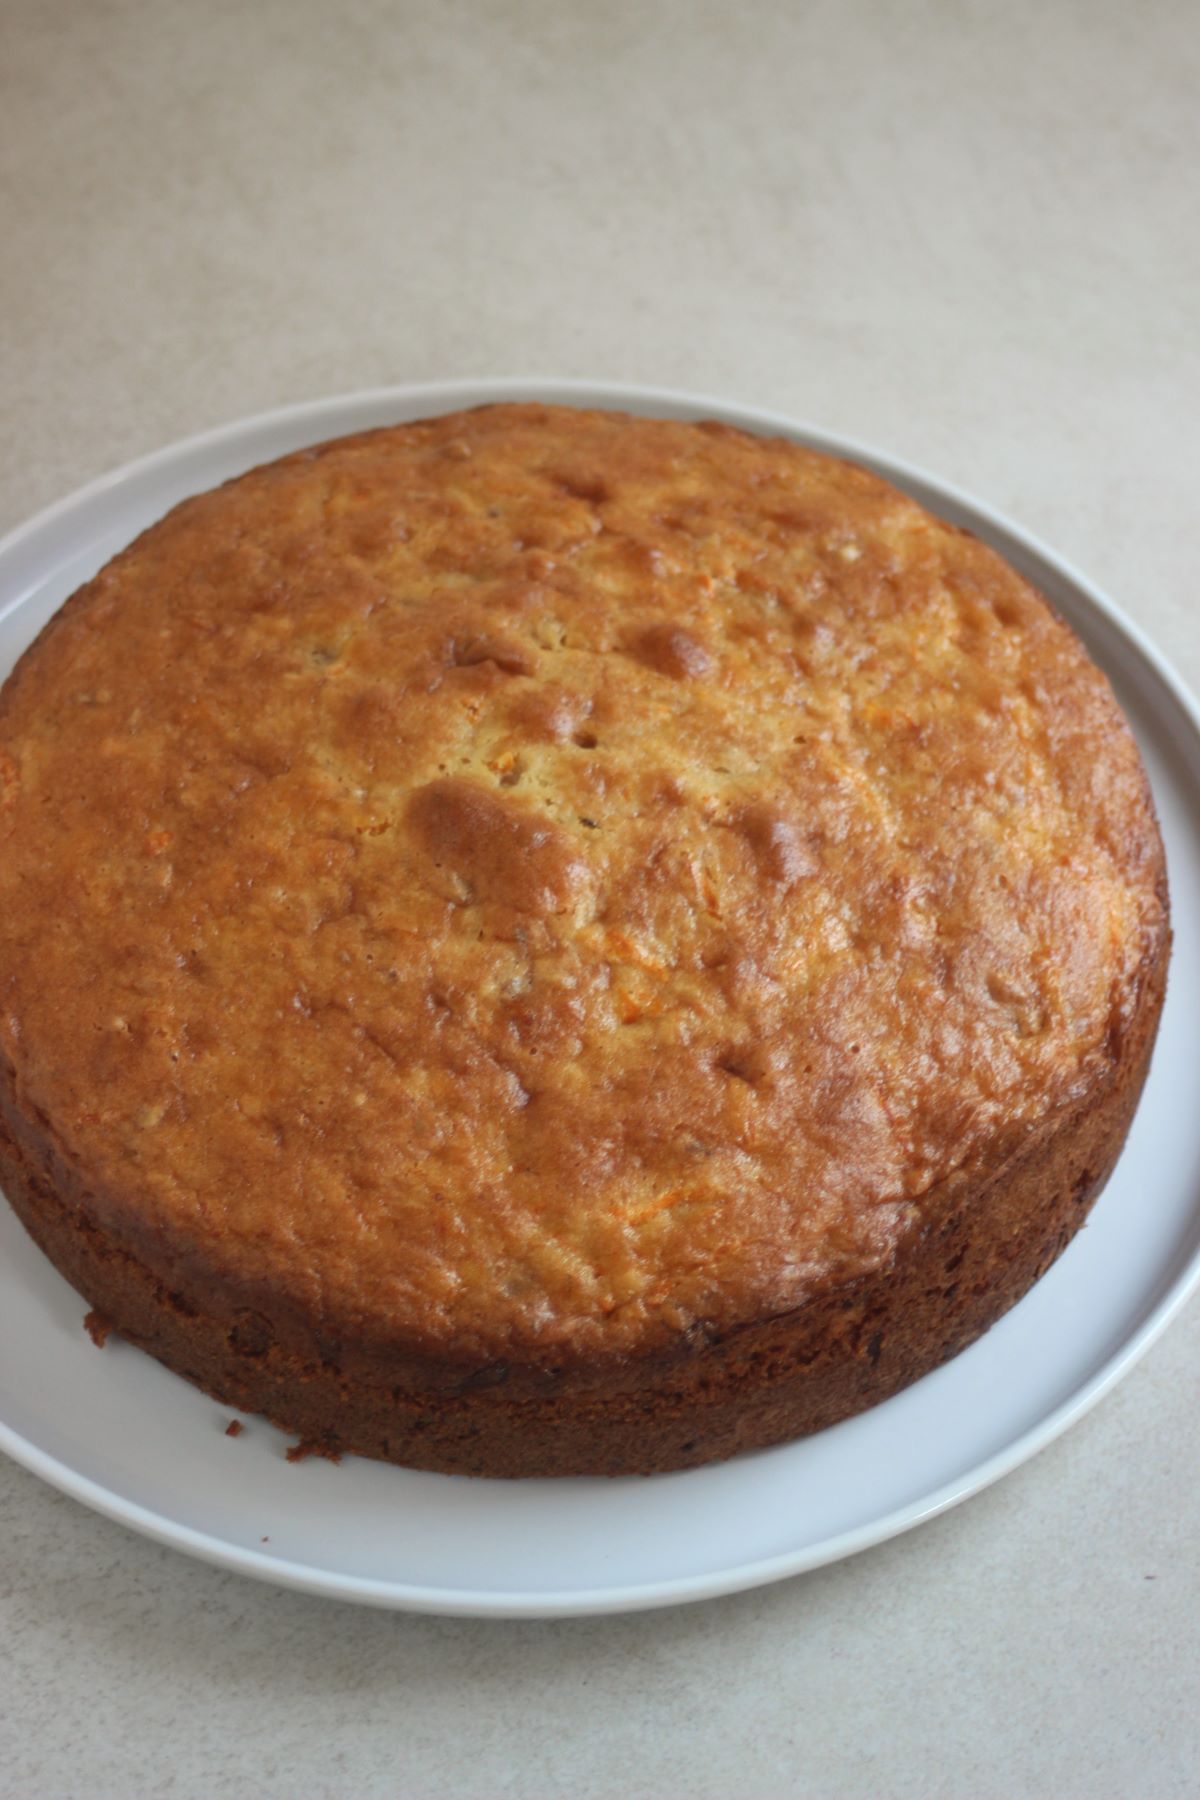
(308, 1447)
(97, 1327)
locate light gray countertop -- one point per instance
(964, 233)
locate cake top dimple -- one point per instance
(538, 879)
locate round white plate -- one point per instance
(124, 1436)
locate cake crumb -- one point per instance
(234, 1428)
(309, 1447)
(97, 1328)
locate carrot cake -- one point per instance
(545, 942)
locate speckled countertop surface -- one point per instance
(965, 233)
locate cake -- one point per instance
(542, 942)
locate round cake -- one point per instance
(546, 942)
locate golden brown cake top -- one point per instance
(538, 880)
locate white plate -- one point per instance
(124, 1436)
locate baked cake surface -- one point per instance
(531, 941)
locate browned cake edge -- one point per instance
(984, 1239)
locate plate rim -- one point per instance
(444, 396)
